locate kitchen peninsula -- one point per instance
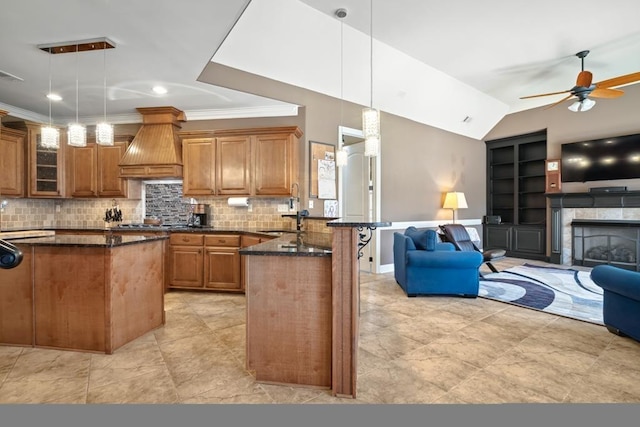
(87, 292)
(303, 307)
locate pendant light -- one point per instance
(77, 133)
(49, 136)
(371, 116)
(341, 154)
(104, 130)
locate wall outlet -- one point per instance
(58, 208)
(310, 204)
(283, 208)
(249, 208)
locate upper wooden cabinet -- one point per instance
(93, 170)
(198, 156)
(233, 165)
(45, 166)
(275, 163)
(12, 166)
(240, 162)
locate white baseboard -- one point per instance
(402, 225)
(387, 268)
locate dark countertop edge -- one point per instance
(285, 253)
(46, 241)
(274, 247)
(350, 222)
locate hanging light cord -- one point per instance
(371, 53)
(49, 94)
(341, 70)
(104, 70)
(77, 62)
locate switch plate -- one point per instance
(310, 204)
(283, 208)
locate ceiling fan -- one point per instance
(585, 88)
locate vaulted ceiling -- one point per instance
(433, 62)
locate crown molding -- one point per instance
(192, 115)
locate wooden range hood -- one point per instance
(156, 151)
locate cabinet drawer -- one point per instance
(186, 239)
(222, 240)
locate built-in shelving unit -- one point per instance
(516, 193)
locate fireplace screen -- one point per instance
(594, 245)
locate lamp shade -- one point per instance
(455, 200)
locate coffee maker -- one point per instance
(199, 215)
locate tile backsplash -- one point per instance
(163, 201)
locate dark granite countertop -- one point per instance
(87, 240)
(357, 222)
(293, 244)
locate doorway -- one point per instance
(357, 191)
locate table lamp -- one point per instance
(454, 201)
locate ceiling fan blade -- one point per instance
(556, 103)
(584, 79)
(545, 94)
(606, 93)
(618, 81)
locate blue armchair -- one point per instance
(424, 266)
(621, 299)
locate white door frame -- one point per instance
(375, 203)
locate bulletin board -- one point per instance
(322, 168)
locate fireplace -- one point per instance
(613, 242)
(599, 207)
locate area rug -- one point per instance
(562, 291)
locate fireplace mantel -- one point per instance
(600, 199)
(560, 235)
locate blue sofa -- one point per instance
(621, 299)
(424, 266)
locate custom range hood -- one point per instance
(155, 151)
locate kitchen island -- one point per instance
(303, 307)
(288, 290)
(83, 292)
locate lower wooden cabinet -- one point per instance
(204, 261)
(520, 241)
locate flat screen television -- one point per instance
(601, 159)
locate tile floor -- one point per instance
(412, 350)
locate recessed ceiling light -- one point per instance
(159, 90)
(54, 97)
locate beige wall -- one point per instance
(609, 117)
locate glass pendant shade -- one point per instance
(104, 134)
(49, 137)
(372, 146)
(370, 122)
(77, 135)
(341, 158)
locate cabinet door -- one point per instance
(233, 165)
(529, 240)
(497, 237)
(12, 162)
(109, 182)
(46, 166)
(185, 266)
(222, 268)
(198, 156)
(275, 164)
(84, 166)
